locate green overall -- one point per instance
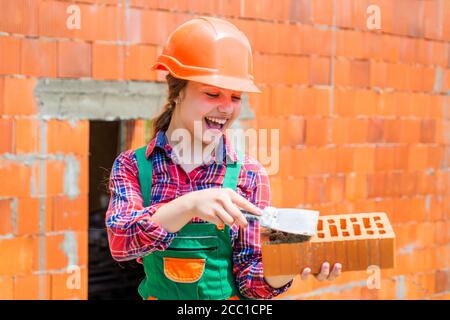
(198, 262)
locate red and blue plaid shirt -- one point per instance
(133, 234)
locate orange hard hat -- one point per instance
(211, 51)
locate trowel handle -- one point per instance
(250, 216)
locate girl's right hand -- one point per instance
(220, 206)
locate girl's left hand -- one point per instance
(325, 273)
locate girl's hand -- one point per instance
(324, 272)
(220, 205)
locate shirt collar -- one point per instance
(160, 141)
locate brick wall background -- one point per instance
(363, 118)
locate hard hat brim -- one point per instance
(221, 81)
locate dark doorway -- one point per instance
(107, 278)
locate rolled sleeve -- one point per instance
(131, 231)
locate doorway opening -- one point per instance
(107, 278)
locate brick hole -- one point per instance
(321, 235)
(320, 225)
(343, 224)
(331, 221)
(382, 232)
(380, 225)
(376, 218)
(367, 223)
(357, 229)
(345, 234)
(353, 219)
(333, 231)
(369, 231)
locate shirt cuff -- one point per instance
(273, 292)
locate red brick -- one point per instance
(363, 160)
(39, 58)
(6, 216)
(335, 189)
(6, 132)
(296, 194)
(32, 287)
(316, 131)
(9, 55)
(366, 102)
(18, 97)
(18, 177)
(26, 135)
(344, 13)
(347, 130)
(384, 158)
(378, 74)
(28, 216)
(292, 133)
(344, 159)
(345, 102)
(322, 12)
(315, 187)
(354, 240)
(6, 288)
(355, 186)
(431, 24)
(108, 61)
(319, 71)
(2, 85)
(410, 131)
(56, 257)
(376, 130)
(440, 53)
(311, 102)
(16, 255)
(156, 26)
(70, 214)
(19, 16)
(74, 59)
(68, 137)
(264, 33)
(342, 72)
(55, 177)
(138, 60)
(360, 73)
(275, 100)
(110, 27)
(53, 18)
(276, 190)
(417, 158)
(446, 22)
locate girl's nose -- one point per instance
(226, 107)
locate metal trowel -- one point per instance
(294, 221)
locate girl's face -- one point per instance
(207, 107)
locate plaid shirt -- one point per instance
(132, 233)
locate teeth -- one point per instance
(217, 120)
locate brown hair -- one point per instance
(162, 121)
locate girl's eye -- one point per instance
(212, 95)
(236, 98)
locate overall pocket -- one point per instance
(184, 270)
(187, 258)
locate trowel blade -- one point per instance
(296, 221)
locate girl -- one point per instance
(178, 212)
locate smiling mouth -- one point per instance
(215, 123)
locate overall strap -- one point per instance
(232, 174)
(145, 168)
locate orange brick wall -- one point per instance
(363, 118)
